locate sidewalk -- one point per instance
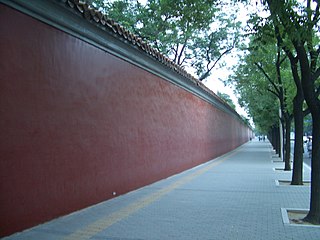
(232, 197)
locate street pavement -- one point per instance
(235, 196)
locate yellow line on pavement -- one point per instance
(103, 223)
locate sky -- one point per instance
(218, 76)
(215, 82)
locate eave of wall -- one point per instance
(89, 25)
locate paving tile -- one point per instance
(235, 199)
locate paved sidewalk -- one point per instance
(232, 197)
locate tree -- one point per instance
(227, 99)
(250, 85)
(299, 23)
(195, 34)
(277, 87)
(264, 59)
(265, 28)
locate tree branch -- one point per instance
(273, 92)
(208, 53)
(175, 50)
(316, 74)
(314, 54)
(282, 60)
(316, 15)
(268, 78)
(293, 60)
(306, 112)
(209, 69)
(181, 51)
(183, 61)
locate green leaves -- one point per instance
(260, 86)
(193, 33)
(227, 99)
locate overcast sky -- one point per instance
(215, 81)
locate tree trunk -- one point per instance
(283, 142)
(314, 106)
(308, 78)
(314, 213)
(287, 147)
(277, 141)
(297, 176)
(270, 137)
(274, 139)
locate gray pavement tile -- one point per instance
(237, 199)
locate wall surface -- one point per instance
(78, 123)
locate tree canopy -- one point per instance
(227, 99)
(195, 34)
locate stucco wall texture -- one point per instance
(78, 124)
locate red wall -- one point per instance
(78, 124)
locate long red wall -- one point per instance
(78, 124)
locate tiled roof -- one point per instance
(92, 14)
